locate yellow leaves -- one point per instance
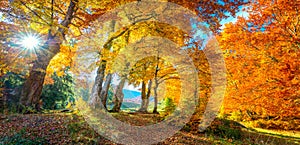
(262, 61)
(173, 90)
(67, 50)
(42, 29)
(145, 29)
(3, 69)
(62, 60)
(75, 31)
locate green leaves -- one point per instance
(58, 94)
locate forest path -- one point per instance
(71, 128)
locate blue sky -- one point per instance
(234, 19)
(201, 35)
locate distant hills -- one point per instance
(130, 94)
(132, 100)
(133, 96)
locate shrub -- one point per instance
(169, 105)
(11, 85)
(225, 129)
(60, 93)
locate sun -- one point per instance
(30, 41)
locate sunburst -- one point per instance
(30, 41)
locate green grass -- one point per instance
(278, 132)
(281, 133)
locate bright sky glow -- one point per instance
(30, 41)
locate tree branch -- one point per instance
(22, 18)
(69, 16)
(34, 12)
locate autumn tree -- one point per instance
(163, 71)
(212, 16)
(142, 73)
(262, 61)
(56, 21)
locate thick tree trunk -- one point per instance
(95, 99)
(104, 91)
(32, 89)
(119, 96)
(33, 86)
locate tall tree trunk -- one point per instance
(119, 96)
(149, 88)
(105, 89)
(95, 99)
(155, 97)
(148, 94)
(145, 96)
(156, 84)
(32, 89)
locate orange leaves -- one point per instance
(48, 80)
(263, 61)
